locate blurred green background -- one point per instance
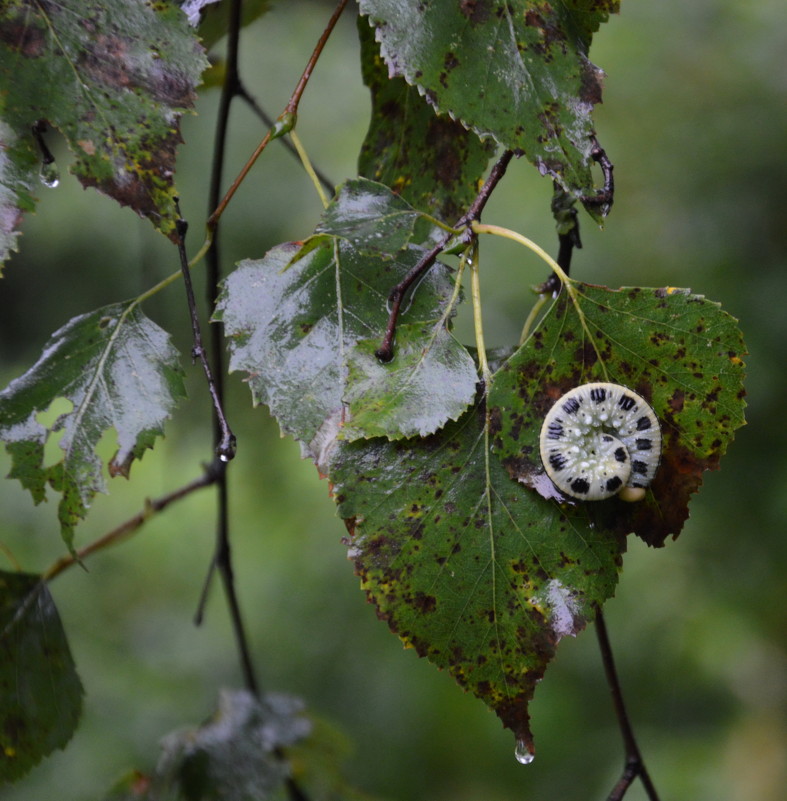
(695, 121)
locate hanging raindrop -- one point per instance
(523, 753)
(49, 174)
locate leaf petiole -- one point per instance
(478, 325)
(170, 279)
(568, 283)
(507, 233)
(307, 165)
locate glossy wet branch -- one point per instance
(386, 350)
(634, 765)
(226, 446)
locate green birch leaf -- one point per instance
(461, 541)
(470, 568)
(40, 692)
(431, 160)
(681, 352)
(375, 221)
(432, 373)
(304, 322)
(117, 369)
(516, 71)
(114, 78)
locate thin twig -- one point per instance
(130, 526)
(226, 445)
(285, 121)
(326, 182)
(222, 555)
(478, 324)
(386, 351)
(634, 766)
(229, 90)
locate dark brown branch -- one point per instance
(386, 350)
(605, 196)
(226, 446)
(634, 766)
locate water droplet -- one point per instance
(523, 753)
(224, 457)
(49, 174)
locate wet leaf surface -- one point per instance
(113, 78)
(517, 71)
(117, 369)
(461, 540)
(431, 374)
(40, 692)
(303, 322)
(470, 568)
(432, 161)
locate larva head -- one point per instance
(600, 440)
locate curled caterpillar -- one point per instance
(600, 440)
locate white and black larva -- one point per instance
(600, 440)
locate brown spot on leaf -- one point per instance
(495, 422)
(591, 81)
(677, 400)
(140, 184)
(425, 603)
(477, 11)
(586, 355)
